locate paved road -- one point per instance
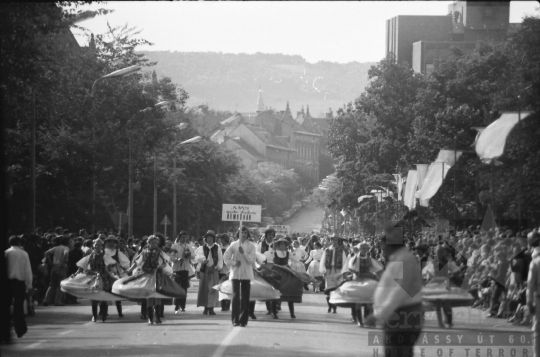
(67, 331)
(307, 219)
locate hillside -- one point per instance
(231, 82)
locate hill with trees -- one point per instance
(226, 81)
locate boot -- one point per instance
(150, 314)
(94, 312)
(359, 320)
(119, 308)
(353, 314)
(144, 315)
(291, 310)
(211, 311)
(205, 312)
(161, 311)
(274, 310)
(104, 310)
(439, 318)
(223, 305)
(158, 313)
(329, 305)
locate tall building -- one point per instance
(421, 41)
(275, 136)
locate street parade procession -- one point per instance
(177, 183)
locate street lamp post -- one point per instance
(116, 74)
(193, 140)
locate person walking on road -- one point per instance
(57, 259)
(398, 302)
(211, 260)
(240, 257)
(182, 255)
(19, 274)
(334, 262)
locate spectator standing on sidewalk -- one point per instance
(20, 281)
(533, 290)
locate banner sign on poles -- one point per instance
(283, 230)
(242, 213)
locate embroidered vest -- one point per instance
(264, 247)
(214, 251)
(338, 264)
(364, 265)
(281, 261)
(97, 263)
(152, 260)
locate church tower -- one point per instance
(260, 103)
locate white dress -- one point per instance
(295, 258)
(315, 258)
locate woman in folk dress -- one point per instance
(98, 262)
(296, 257)
(211, 259)
(314, 260)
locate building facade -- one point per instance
(421, 41)
(276, 136)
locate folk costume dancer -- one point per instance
(533, 289)
(282, 257)
(182, 255)
(298, 255)
(363, 266)
(211, 260)
(333, 261)
(266, 247)
(97, 263)
(224, 272)
(123, 263)
(313, 262)
(398, 305)
(152, 260)
(443, 267)
(240, 258)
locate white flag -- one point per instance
(422, 173)
(491, 141)
(410, 189)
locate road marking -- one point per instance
(226, 341)
(65, 332)
(34, 345)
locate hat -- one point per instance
(363, 244)
(282, 240)
(269, 230)
(337, 236)
(111, 237)
(210, 233)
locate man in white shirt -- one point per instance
(182, 256)
(240, 258)
(19, 274)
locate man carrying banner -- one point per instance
(240, 257)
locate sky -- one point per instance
(318, 31)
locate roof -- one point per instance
(232, 118)
(244, 145)
(268, 137)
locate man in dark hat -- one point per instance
(398, 296)
(333, 262)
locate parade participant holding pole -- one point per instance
(224, 272)
(240, 258)
(211, 260)
(333, 263)
(266, 247)
(398, 296)
(182, 255)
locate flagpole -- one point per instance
(520, 165)
(455, 179)
(492, 163)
